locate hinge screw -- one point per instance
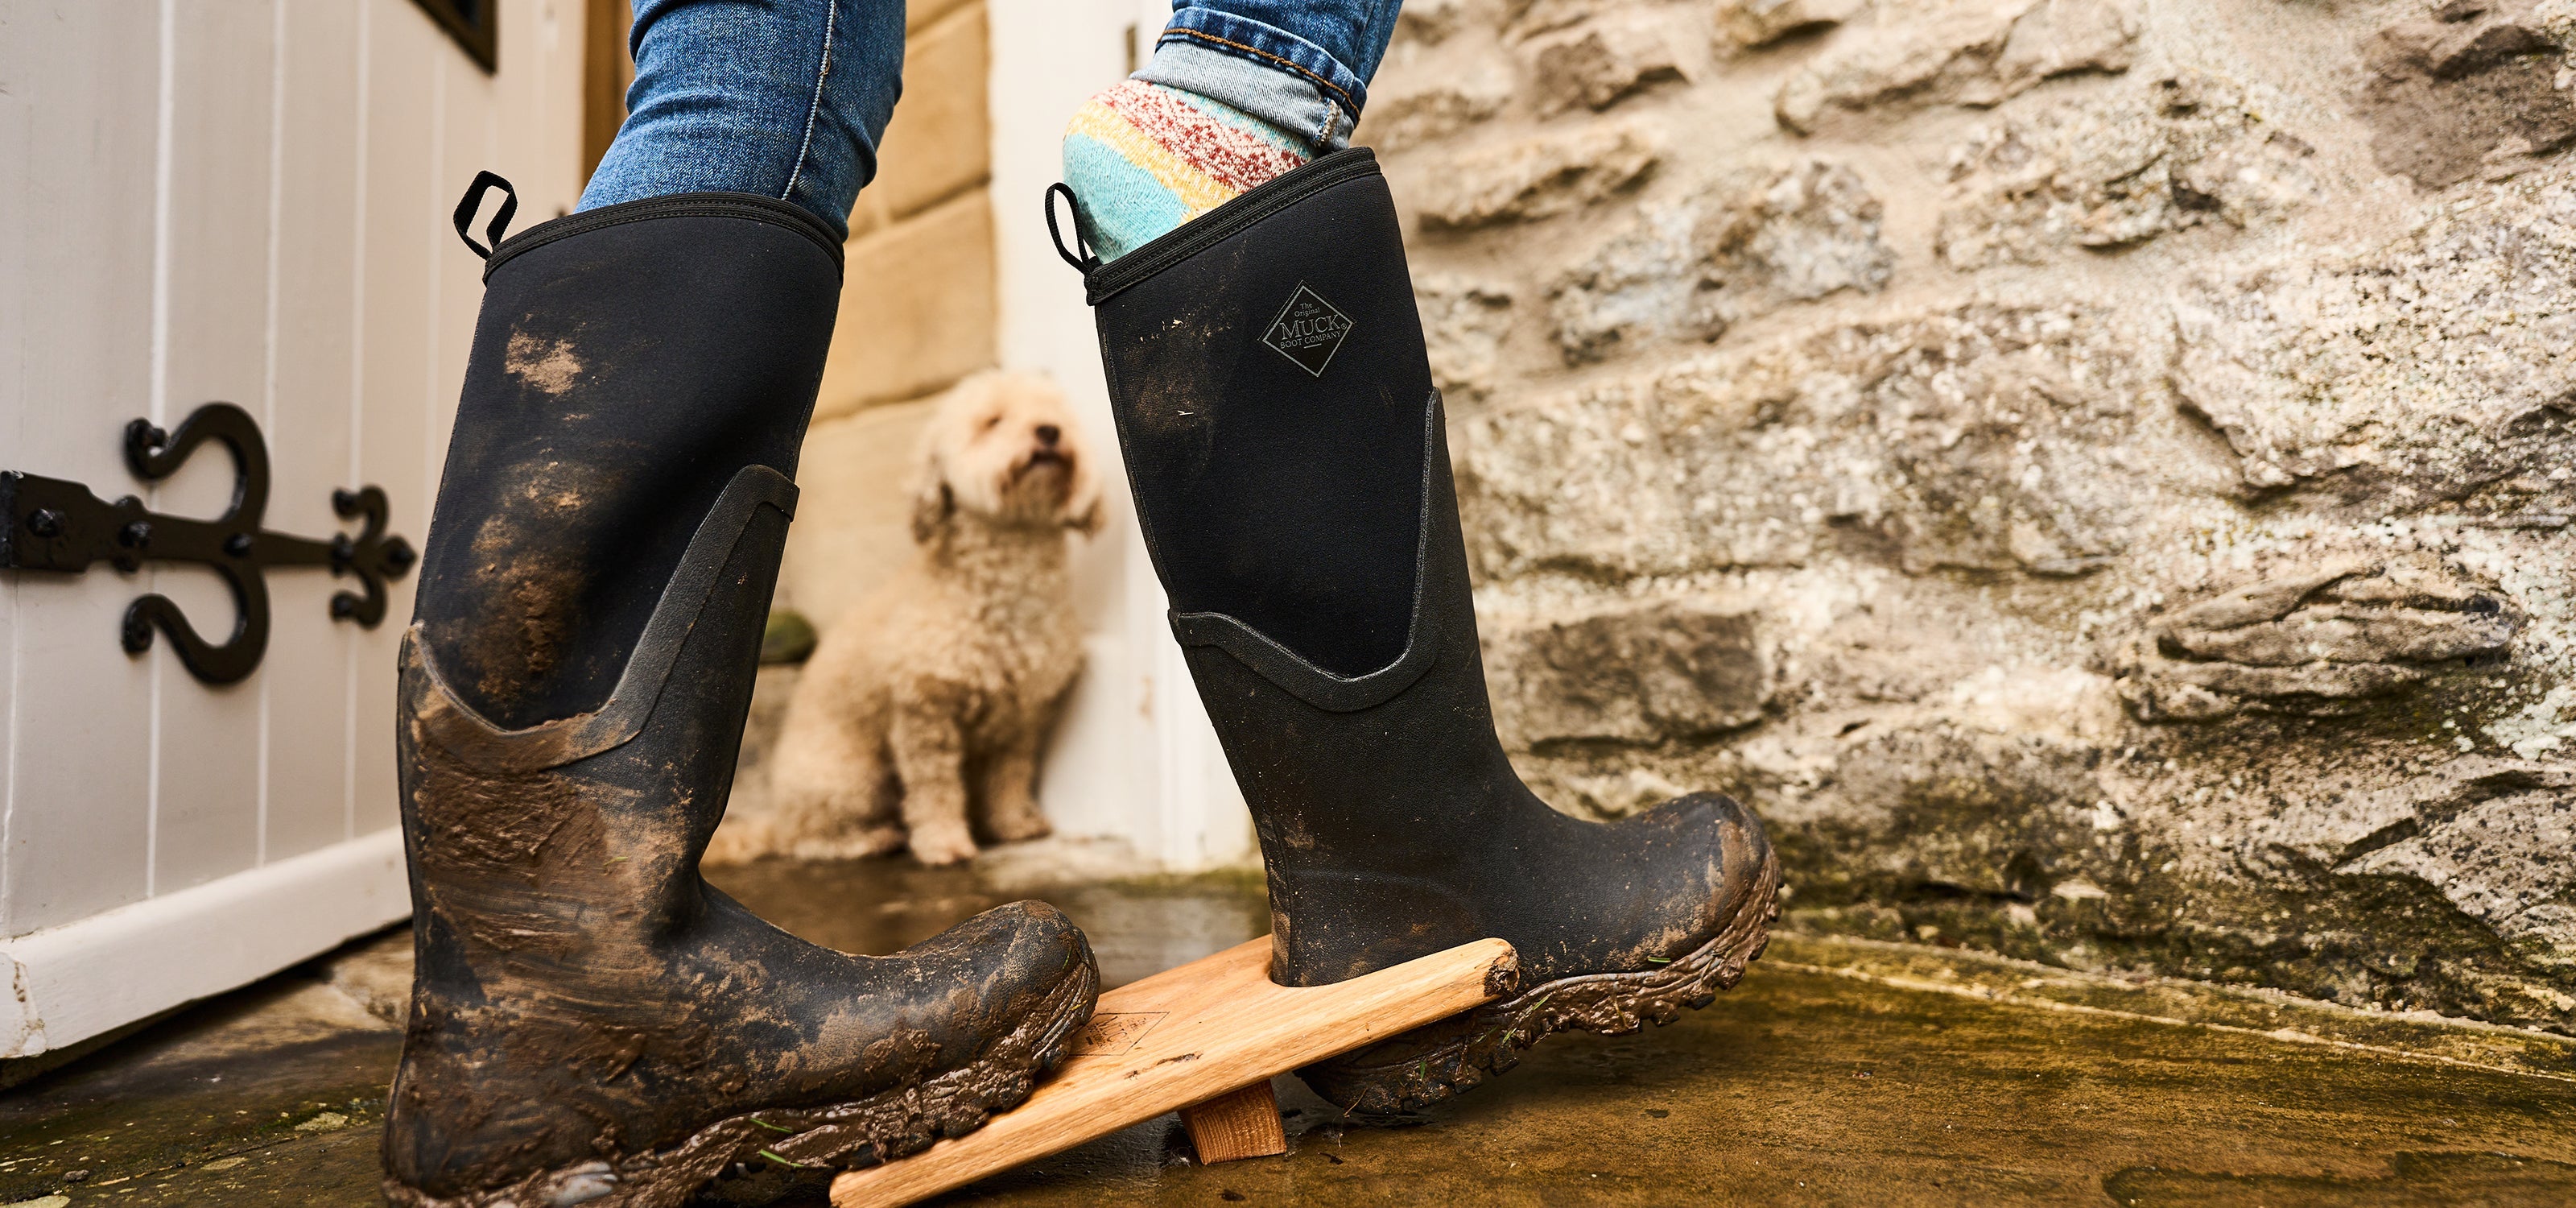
(45, 522)
(135, 535)
(238, 545)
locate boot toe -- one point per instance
(1720, 824)
(1030, 941)
(1712, 854)
(1017, 957)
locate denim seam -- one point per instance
(1290, 64)
(813, 112)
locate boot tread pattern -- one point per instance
(885, 1127)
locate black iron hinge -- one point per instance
(56, 525)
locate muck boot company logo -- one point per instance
(1308, 331)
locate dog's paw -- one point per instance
(870, 841)
(1021, 828)
(943, 845)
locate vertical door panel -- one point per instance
(80, 196)
(403, 231)
(214, 319)
(466, 137)
(17, 129)
(313, 395)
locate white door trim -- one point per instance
(82, 979)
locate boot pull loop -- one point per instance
(485, 182)
(1086, 262)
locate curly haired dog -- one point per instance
(927, 703)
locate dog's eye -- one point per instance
(990, 422)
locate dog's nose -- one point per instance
(1048, 434)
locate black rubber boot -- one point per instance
(590, 1022)
(1286, 450)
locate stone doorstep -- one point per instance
(2423, 1036)
(376, 975)
(322, 1143)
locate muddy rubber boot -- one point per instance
(591, 1023)
(1286, 451)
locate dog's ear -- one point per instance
(1087, 521)
(1081, 510)
(931, 510)
(932, 502)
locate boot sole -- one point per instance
(1438, 1060)
(885, 1127)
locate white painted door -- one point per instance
(239, 200)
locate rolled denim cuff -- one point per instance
(1262, 70)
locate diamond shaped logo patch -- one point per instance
(1309, 330)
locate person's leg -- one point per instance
(1237, 92)
(780, 98)
(590, 1021)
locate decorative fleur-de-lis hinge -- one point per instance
(56, 525)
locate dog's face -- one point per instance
(1004, 447)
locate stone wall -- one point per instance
(918, 312)
(2094, 474)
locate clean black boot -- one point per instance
(590, 1022)
(1287, 453)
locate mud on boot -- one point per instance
(591, 1023)
(1290, 466)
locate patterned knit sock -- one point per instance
(1143, 159)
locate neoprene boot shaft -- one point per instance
(1287, 453)
(629, 361)
(590, 1021)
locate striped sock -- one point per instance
(1143, 159)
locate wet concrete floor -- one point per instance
(1839, 1073)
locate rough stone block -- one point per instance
(2490, 834)
(940, 141)
(1602, 63)
(921, 14)
(2357, 368)
(1397, 119)
(1969, 52)
(2120, 170)
(1686, 269)
(853, 517)
(918, 308)
(1986, 439)
(1537, 177)
(1752, 24)
(1666, 670)
(2319, 641)
(1429, 22)
(2474, 87)
(1463, 324)
(1530, 18)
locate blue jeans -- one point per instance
(783, 98)
(1301, 65)
(788, 98)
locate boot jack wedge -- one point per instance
(591, 1023)
(1287, 453)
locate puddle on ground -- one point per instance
(1137, 927)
